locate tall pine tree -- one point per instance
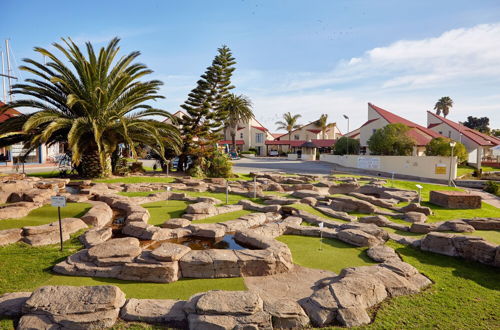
(204, 106)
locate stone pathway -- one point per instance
(486, 197)
(297, 284)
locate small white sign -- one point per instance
(321, 225)
(58, 201)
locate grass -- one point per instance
(162, 211)
(465, 295)
(138, 179)
(442, 214)
(182, 289)
(312, 210)
(46, 214)
(47, 175)
(465, 169)
(224, 217)
(334, 255)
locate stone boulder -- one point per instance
(11, 303)
(85, 307)
(9, 236)
(415, 217)
(96, 236)
(309, 201)
(157, 311)
(343, 188)
(308, 193)
(347, 204)
(378, 220)
(49, 233)
(336, 214)
(382, 253)
(176, 223)
(416, 207)
(170, 252)
(164, 272)
(484, 223)
(208, 230)
(358, 238)
(115, 250)
(99, 215)
(201, 208)
(249, 205)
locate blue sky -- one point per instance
(307, 57)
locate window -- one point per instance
(374, 130)
(449, 134)
(241, 135)
(259, 137)
(296, 137)
(441, 132)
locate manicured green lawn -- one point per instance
(492, 236)
(465, 295)
(427, 187)
(49, 174)
(333, 256)
(161, 211)
(138, 179)
(462, 170)
(442, 214)
(46, 214)
(182, 289)
(224, 217)
(312, 210)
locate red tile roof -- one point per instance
(476, 136)
(421, 134)
(8, 113)
(238, 142)
(263, 129)
(315, 131)
(319, 143)
(369, 121)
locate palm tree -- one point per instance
(92, 102)
(238, 109)
(443, 105)
(323, 124)
(289, 123)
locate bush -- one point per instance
(492, 187)
(196, 172)
(346, 145)
(136, 167)
(248, 152)
(253, 150)
(391, 140)
(440, 146)
(219, 166)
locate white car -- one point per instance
(273, 153)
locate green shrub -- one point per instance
(219, 166)
(346, 145)
(492, 187)
(136, 167)
(391, 140)
(253, 149)
(247, 152)
(440, 146)
(196, 172)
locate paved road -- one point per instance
(247, 165)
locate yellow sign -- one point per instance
(440, 169)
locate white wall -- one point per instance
(424, 166)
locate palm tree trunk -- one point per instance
(90, 165)
(233, 140)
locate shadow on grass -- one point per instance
(483, 275)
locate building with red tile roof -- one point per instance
(479, 145)
(378, 118)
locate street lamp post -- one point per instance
(419, 193)
(346, 117)
(452, 145)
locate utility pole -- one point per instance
(3, 80)
(9, 73)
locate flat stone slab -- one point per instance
(229, 303)
(159, 311)
(170, 252)
(115, 248)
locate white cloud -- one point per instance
(406, 77)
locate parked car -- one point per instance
(175, 162)
(274, 153)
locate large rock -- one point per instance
(382, 253)
(439, 243)
(286, 314)
(308, 193)
(343, 188)
(86, 307)
(358, 238)
(201, 208)
(96, 236)
(229, 303)
(176, 223)
(158, 311)
(170, 252)
(9, 236)
(416, 207)
(347, 204)
(126, 248)
(415, 217)
(249, 205)
(336, 214)
(209, 230)
(382, 202)
(99, 215)
(165, 272)
(11, 303)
